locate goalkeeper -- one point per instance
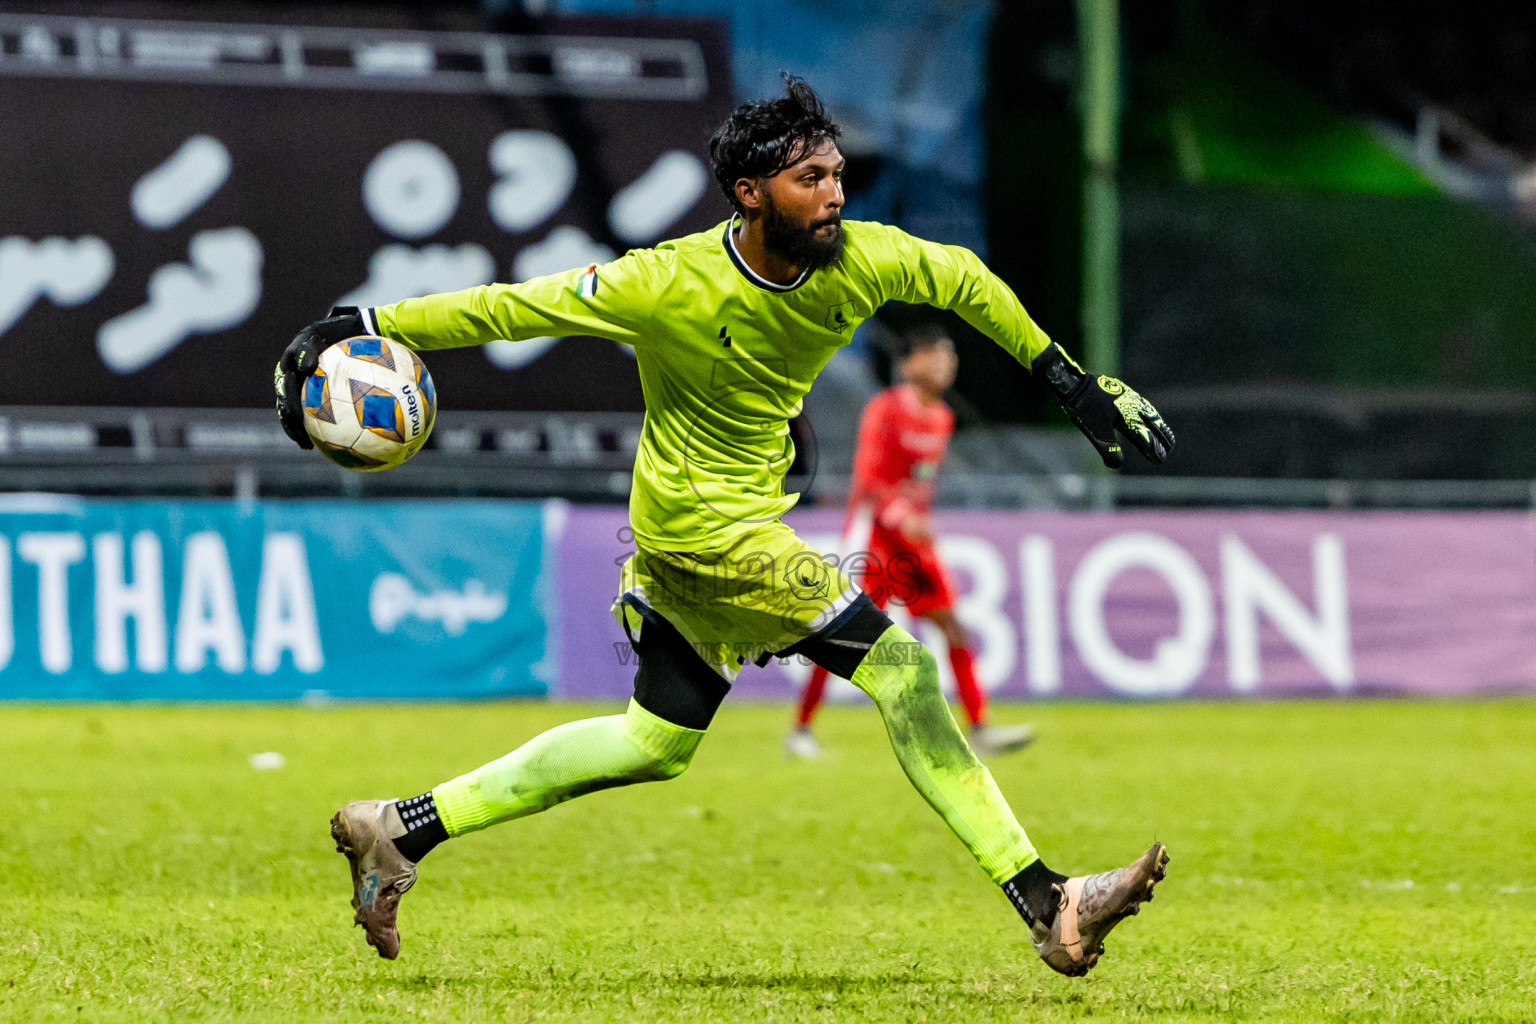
(730, 327)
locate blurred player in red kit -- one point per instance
(888, 534)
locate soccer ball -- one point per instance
(370, 403)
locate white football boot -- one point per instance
(1091, 905)
(380, 872)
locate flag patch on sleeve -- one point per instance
(587, 287)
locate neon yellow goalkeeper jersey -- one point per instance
(725, 357)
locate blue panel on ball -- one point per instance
(380, 412)
(363, 347)
(314, 390)
(428, 389)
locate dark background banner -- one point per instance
(122, 283)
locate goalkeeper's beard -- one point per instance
(802, 245)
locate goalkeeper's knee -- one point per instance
(667, 749)
(676, 696)
(898, 666)
(879, 657)
(902, 677)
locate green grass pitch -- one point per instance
(1331, 861)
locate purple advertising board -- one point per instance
(1162, 604)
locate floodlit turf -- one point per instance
(1331, 861)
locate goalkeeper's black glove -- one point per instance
(299, 360)
(1102, 405)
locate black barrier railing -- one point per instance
(589, 458)
(121, 451)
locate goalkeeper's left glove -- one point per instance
(1099, 406)
(299, 360)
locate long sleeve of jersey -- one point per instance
(613, 300)
(954, 278)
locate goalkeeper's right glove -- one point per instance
(298, 363)
(1099, 406)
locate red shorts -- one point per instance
(893, 569)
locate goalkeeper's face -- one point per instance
(803, 209)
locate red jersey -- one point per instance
(901, 443)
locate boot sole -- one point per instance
(343, 838)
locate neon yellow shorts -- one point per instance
(761, 593)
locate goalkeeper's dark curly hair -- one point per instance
(764, 137)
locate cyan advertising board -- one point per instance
(214, 600)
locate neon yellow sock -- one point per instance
(567, 761)
(903, 679)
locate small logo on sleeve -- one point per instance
(587, 286)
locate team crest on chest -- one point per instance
(840, 316)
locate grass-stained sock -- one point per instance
(566, 762)
(902, 678)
